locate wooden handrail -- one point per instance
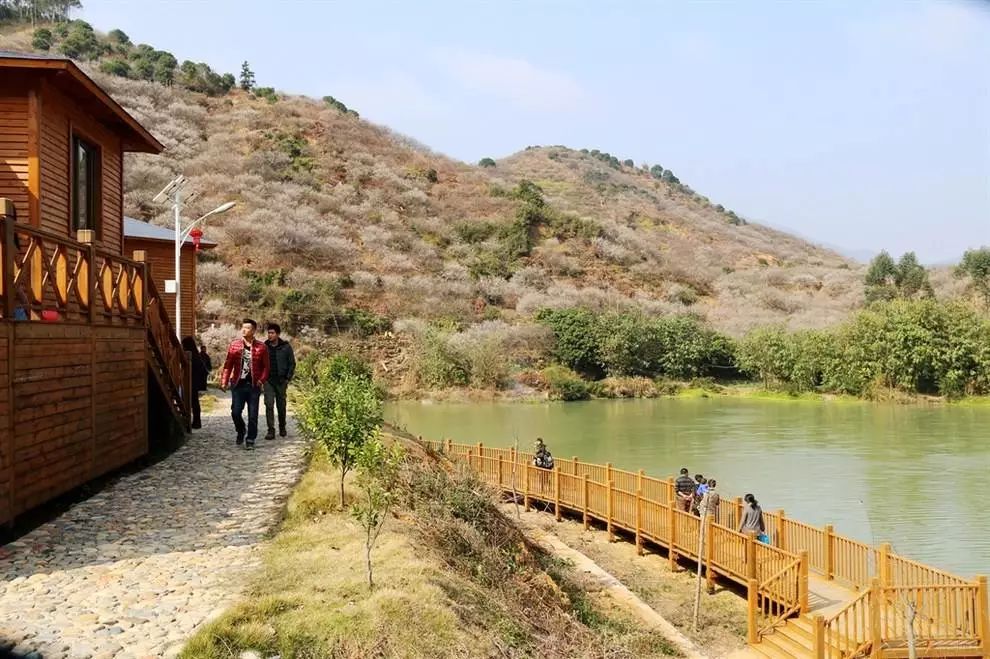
(950, 609)
(169, 352)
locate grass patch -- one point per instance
(455, 578)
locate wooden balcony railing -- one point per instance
(48, 278)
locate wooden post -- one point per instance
(983, 614)
(819, 638)
(710, 553)
(829, 552)
(574, 462)
(8, 259)
(556, 492)
(883, 564)
(739, 506)
(751, 554)
(670, 490)
(752, 592)
(803, 581)
(584, 513)
(608, 513)
(639, 522)
(781, 536)
(526, 487)
(672, 527)
(608, 472)
(86, 236)
(501, 462)
(876, 607)
(449, 446)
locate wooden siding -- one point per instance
(60, 120)
(161, 257)
(14, 129)
(79, 406)
(6, 420)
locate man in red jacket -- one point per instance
(245, 371)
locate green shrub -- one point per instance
(42, 39)
(575, 334)
(116, 67)
(267, 93)
(474, 232)
(565, 384)
(486, 162)
(118, 36)
(437, 365)
(366, 323)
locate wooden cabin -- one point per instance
(158, 245)
(88, 356)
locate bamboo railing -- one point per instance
(951, 613)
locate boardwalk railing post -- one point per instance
(737, 512)
(983, 614)
(781, 535)
(819, 639)
(883, 564)
(752, 592)
(501, 471)
(450, 447)
(574, 462)
(526, 487)
(803, 581)
(669, 491)
(876, 608)
(751, 554)
(556, 493)
(710, 553)
(608, 471)
(584, 499)
(481, 461)
(829, 551)
(671, 535)
(639, 522)
(608, 513)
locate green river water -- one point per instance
(912, 475)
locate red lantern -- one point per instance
(197, 235)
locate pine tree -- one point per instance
(247, 77)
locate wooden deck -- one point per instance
(811, 592)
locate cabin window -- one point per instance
(85, 191)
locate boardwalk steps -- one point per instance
(811, 593)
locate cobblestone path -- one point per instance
(131, 571)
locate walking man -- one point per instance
(245, 371)
(283, 367)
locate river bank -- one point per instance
(455, 577)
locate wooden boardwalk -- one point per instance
(811, 592)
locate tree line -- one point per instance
(36, 11)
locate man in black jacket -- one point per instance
(283, 367)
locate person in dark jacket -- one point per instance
(199, 374)
(283, 367)
(205, 356)
(684, 488)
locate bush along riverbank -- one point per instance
(900, 350)
(454, 577)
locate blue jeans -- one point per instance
(245, 393)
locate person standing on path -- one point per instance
(283, 367)
(245, 371)
(198, 379)
(752, 520)
(205, 356)
(713, 500)
(684, 487)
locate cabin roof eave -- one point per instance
(135, 137)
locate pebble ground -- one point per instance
(133, 570)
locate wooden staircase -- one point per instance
(168, 363)
(796, 638)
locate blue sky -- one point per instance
(864, 125)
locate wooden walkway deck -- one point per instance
(811, 592)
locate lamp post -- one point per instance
(174, 190)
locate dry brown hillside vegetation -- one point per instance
(346, 228)
(336, 212)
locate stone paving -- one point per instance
(133, 570)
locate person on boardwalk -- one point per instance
(541, 456)
(245, 371)
(205, 357)
(684, 487)
(198, 379)
(700, 488)
(713, 500)
(283, 367)
(752, 520)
